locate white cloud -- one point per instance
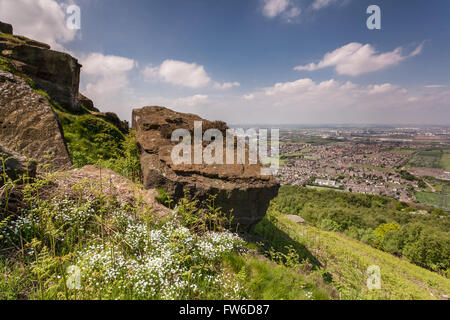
(381, 88)
(355, 58)
(99, 64)
(333, 101)
(433, 86)
(184, 74)
(226, 85)
(301, 85)
(42, 20)
(97, 89)
(329, 94)
(193, 101)
(293, 12)
(413, 99)
(308, 88)
(319, 4)
(274, 8)
(150, 72)
(105, 77)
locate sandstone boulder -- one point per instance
(54, 72)
(239, 188)
(28, 124)
(94, 179)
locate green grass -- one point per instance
(428, 159)
(445, 161)
(401, 151)
(422, 238)
(347, 261)
(266, 280)
(122, 251)
(438, 200)
(5, 65)
(92, 140)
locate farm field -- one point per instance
(445, 160)
(438, 200)
(435, 159)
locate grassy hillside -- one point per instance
(418, 233)
(86, 245)
(346, 261)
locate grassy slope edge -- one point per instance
(347, 260)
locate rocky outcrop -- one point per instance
(56, 73)
(114, 119)
(96, 179)
(239, 188)
(28, 125)
(110, 117)
(87, 103)
(16, 166)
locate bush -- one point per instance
(91, 139)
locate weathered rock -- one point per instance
(87, 103)
(95, 179)
(112, 118)
(16, 166)
(6, 28)
(239, 188)
(19, 170)
(28, 125)
(54, 72)
(296, 219)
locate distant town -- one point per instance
(408, 164)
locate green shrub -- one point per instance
(129, 164)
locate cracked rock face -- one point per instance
(28, 125)
(56, 73)
(239, 188)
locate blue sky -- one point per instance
(256, 61)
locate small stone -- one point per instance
(296, 219)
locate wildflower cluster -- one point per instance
(168, 262)
(120, 254)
